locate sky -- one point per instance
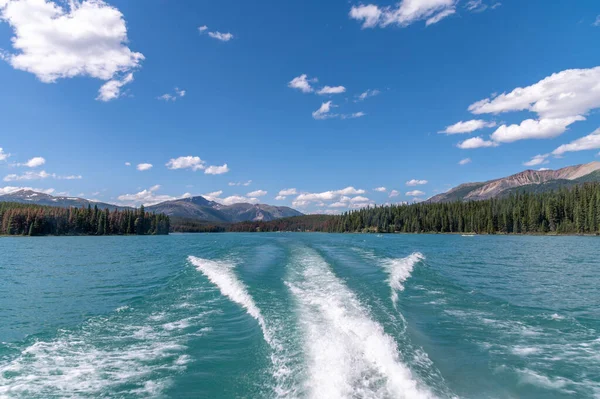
(322, 106)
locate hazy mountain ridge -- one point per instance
(529, 180)
(202, 209)
(197, 208)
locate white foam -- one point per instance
(223, 276)
(348, 353)
(525, 350)
(399, 271)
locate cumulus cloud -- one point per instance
(288, 191)
(305, 199)
(217, 170)
(564, 94)
(534, 129)
(146, 197)
(280, 198)
(224, 37)
(324, 112)
(404, 14)
(331, 90)
(39, 175)
(464, 161)
(257, 193)
(415, 193)
(537, 160)
(589, 142)
(415, 182)
(476, 142)
(88, 38)
(467, 126)
(394, 193)
(112, 89)
(597, 21)
(33, 162)
(127, 163)
(302, 83)
(144, 166)
(187, 162)
(233, 199)
(3, 155)
(380, 189)
(366, 94)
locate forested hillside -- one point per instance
(566, 211)
(36, 220)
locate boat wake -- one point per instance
(399, 271)
(348, 354)
(223, 276)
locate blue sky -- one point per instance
(84, 85)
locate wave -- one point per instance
(223, 276)
(348, 353)
(399, 271)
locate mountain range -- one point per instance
(532, 181)
(197, 208)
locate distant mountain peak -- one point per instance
(527, 180)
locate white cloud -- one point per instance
(537, 160)
(415, 182)
(144, 166)
(217, 170)
(172, 97)
(237, 199)
(439, 16)
(288, 191)
(10, 189)
(464, 161)
(415, 193)
(302, 83)
(112, 89)
(369, 93)
(249, 182)
(597, 21)
(394, 193)
(354, 115)
(87, 39)
(42, 174)
(542, 169)
(33, 162)
(214, 196)
(589, 142)
(331, 90)
(280, 198)
(476, 142)
(404, 14)
(146, 197)
(257, 193)
(468, 126)
(3, 155)
(127, 163)
(305, 199)
(380, 189)
(224, 37)
(324, 112)
(564, 94)
(188, 162)
(534, 129)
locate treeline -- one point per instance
(35, 220)
(184, 225)
(566, 211)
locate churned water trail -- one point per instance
(222, 274)
(348, 353)
(399, 271)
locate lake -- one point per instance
(300, 316)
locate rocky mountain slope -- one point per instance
(528, 180)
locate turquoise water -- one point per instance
(300, 315)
